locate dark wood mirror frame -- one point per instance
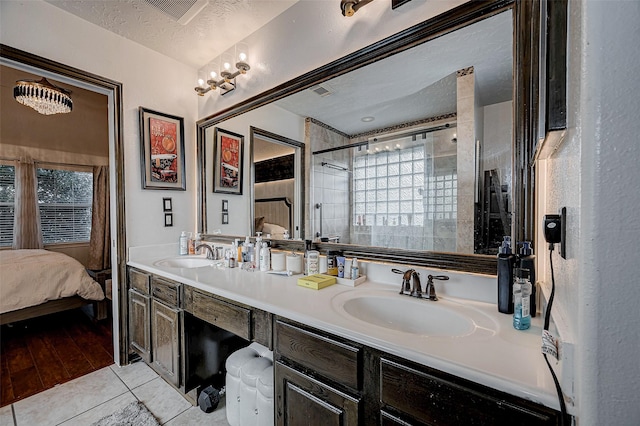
(526, 24)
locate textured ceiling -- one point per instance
(418, 83)
(220, 25)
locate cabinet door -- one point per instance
(139, 320)
(165, 341)
(303, 401)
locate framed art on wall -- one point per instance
(228, 153)
(162, 150)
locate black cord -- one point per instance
(547, 317)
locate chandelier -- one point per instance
(43, 96)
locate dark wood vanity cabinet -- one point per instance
(318, 378)
(155, 322)
(323, 379)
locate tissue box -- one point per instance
(317, 281)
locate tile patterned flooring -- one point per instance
(87, 399)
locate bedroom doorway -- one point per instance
(17, 59)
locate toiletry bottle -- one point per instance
(184, 244)
(265, 257)
(191, 244)
(355, 269)
(506, 263)
(238, 246)
(521, 300)
(527, 260)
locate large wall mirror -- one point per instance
(412, 149)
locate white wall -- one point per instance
(310, 34)
(149, 79)
(595, 174)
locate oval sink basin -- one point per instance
(419, 317)
(185, 262)
(408, 316)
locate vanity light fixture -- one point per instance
(43, 96)
(349, 7)
(227, 81)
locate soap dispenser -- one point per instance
(522, 300)
(526, 260)
(506, 263)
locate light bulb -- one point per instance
(227, 66)
(242, 56)
(200, 82)
(213, 74)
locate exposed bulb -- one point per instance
(227, 66)
(213, 75)
(242, 56)
(200, 82)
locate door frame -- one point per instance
(24, 60)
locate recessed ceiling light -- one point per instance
(367, 119)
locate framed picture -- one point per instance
(162, 150)
(166, 205)
(228, 150)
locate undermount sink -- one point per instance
(185, 262)
(394, 312)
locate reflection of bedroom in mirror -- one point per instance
(276, 191)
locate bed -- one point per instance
(273, 216)
(40, 282)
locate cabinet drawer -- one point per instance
(166, 291)
(227, 316)
(140, 281)
(332, 359)
(434, 400)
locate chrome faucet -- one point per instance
(431, 288)
(210, 254)
(406, 279)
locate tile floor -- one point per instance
(89, 398)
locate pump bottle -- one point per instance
(527, 260)
(506, 263)
(521, 300)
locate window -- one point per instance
(402, 187)
(7, 197)
(65, 199)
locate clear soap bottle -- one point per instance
(522, 300)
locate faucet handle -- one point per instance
(406, 278)
(431, 286)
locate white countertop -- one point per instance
(494, 354)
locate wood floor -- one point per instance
(40, 353)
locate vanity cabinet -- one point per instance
(155, 322)
(318, 378)
(324, 379)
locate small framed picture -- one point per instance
(225, 218)
(225, 205)
(228, 150)
(166, 205)
(162, 155)
(168, 219)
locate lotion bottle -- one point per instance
(184, 244)
(526, 260)
(506, 263)
(265, 257)
(355, 269)
(522, 300)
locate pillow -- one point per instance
(259, 224)
(270, 228)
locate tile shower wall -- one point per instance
(331, 187)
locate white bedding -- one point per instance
(32, 277)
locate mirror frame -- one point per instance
(526, 33)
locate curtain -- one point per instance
(100, 241)
(26, 225)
